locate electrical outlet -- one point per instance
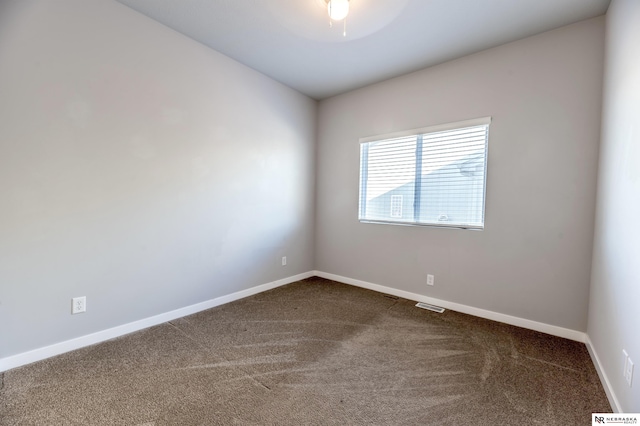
(284, 260)
(628, 374)
(625, 355)
(430, 279)
(78, 305)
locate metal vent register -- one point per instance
(429, 307)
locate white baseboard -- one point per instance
(608, 389)
(482, 313)
(100, 336)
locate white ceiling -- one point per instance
(290, 40)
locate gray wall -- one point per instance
(533, 260)
(614, 311)
(140, 169)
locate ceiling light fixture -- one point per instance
(338, 11)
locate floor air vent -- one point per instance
(429, 307)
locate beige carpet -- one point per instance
(313, 353)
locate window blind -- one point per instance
(434, 176)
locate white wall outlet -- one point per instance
(625, 355)
(284, 260)
(78, 305)
(430, 280)
(628, 375)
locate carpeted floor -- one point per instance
(313, 352)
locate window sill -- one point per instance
(428, 225)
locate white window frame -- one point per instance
(415, 132)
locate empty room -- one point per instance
(320, 212)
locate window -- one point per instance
(434, 176)
(396, 206)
